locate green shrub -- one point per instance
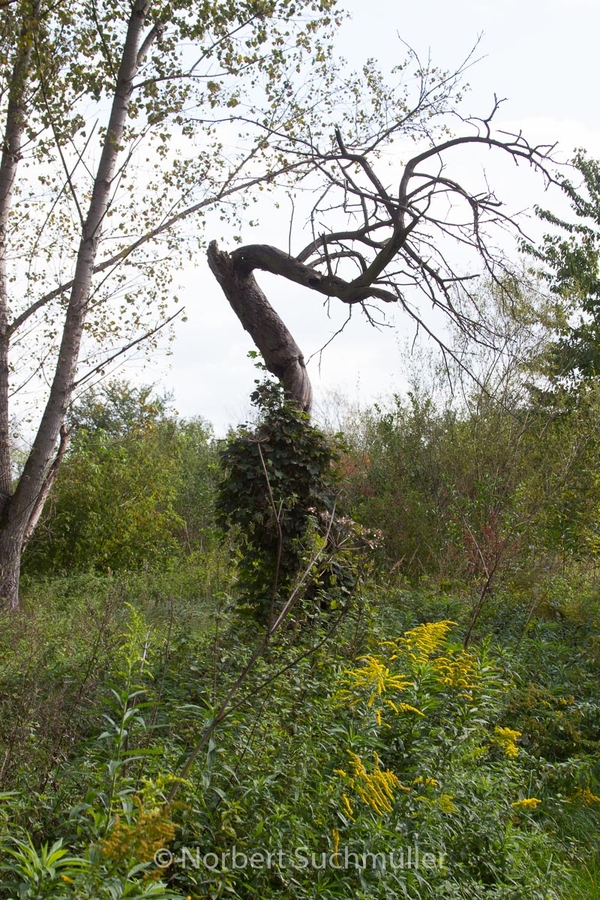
(279, 495)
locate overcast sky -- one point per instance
(540, 56)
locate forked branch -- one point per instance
(391, 242)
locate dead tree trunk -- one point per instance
(280, 351)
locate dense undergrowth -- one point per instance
(366, 755)
(411, 711)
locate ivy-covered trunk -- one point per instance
(280, 497)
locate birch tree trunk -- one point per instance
(10, 540)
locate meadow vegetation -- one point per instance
(370, 670)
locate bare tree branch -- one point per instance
(401, 243)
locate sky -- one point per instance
(540, 56)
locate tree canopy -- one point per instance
(571, 255)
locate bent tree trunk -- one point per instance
(282, 356)
(389, 240)
(280, 351)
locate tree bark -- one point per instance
(9, 161)
(11, 549)
(11, 540)
(280, 351)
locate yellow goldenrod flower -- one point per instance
(348, 806)
(586, 796)
(373, 675)
(528, 803)
(336, 840)
(506, 739)
(406, 707)
(445, 804)
(423, 641)
(373, 681)
(375, 789)
(356, 763)
(140, 840)
(458, 672)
